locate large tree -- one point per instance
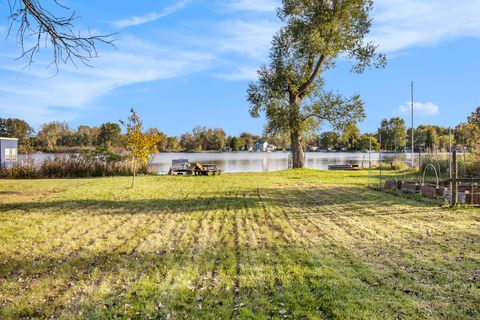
(39, 23)
(350, 136)
(290, 90)
(53, 135)
(16, 128)
(329, 140)
(425, 138)
(394, 134)
(109, 135)
(85, 136)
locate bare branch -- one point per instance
(40, 25)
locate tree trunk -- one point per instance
(297, 149)
(134, 171)
(296, 134)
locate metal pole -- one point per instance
(450, 151)
(454, 199)
(369, 161)
(380, 178)
(395, 161)
(413, 148)
(450, 157)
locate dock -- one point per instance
(344, 167)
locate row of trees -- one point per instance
(57, 136)
(395, 136)
(391, 135)
(350, 139)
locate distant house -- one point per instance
(263, 146)
(8, 151)
(260, 145)
(271, 147)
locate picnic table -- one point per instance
(184, 167)
(206, 169)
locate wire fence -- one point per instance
(451, 176)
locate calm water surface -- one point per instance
(231, 162)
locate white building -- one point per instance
(263, 146)
(8, 151)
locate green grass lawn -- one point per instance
(295, 244)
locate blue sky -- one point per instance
(183, 63)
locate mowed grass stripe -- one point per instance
(110, 277)
(83, 263)
(297, 244)
(37, 266)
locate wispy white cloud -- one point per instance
(253, 5)
(37, 97)
(243, 45)
(150, 17)
(401, 24)
(240, 74)
(419, 108)
(251, 38)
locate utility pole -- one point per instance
(413, 148)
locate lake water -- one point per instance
(231, 162)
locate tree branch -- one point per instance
(67, 45)
(304, 87)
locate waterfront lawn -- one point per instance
(295, 244)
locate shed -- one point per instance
(8, 151)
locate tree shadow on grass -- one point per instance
(273, 280)
(158, 285)
(3, 192)
(348, 197)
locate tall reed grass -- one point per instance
(73, 166)
(468, 165)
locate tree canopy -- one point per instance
(290, 90)
(473, 125)
(15, 128)
(394, 134)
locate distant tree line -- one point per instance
(391, 135)
(57, 136)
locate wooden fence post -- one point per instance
(454, 196)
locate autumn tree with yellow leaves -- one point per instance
(140, 144)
